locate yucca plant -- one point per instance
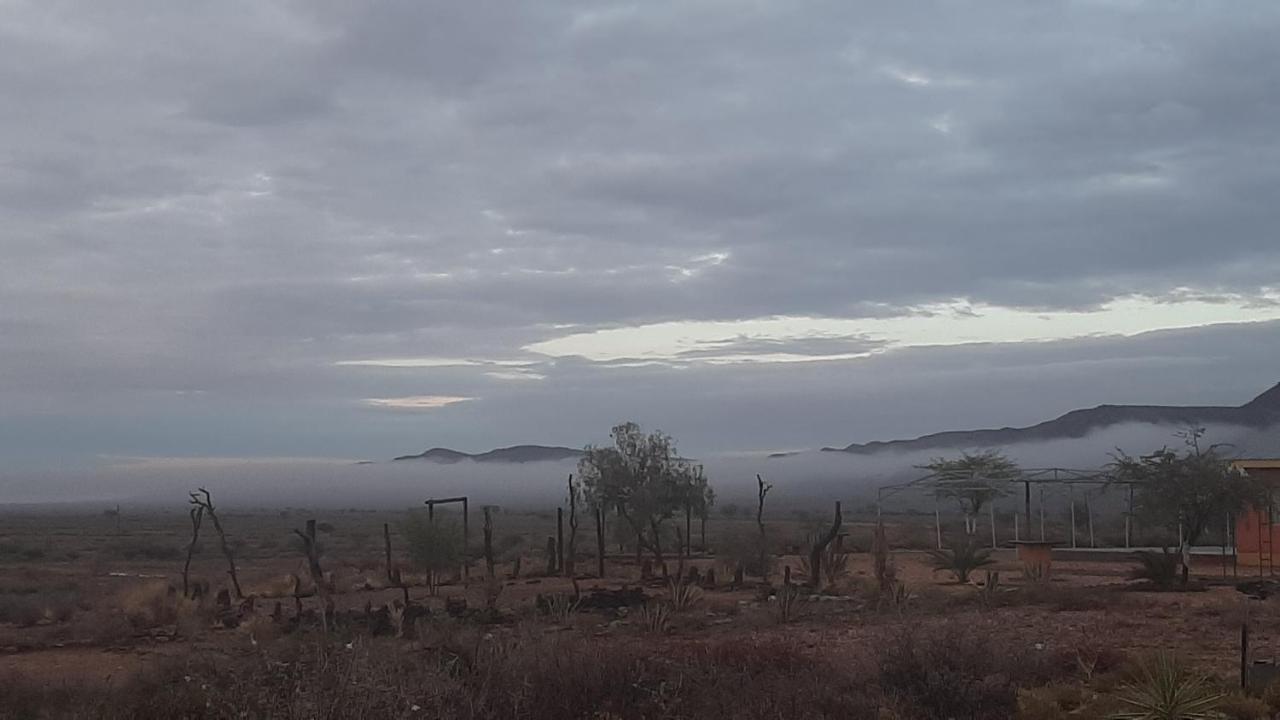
(562, 606)
(835, 565)
(1158, 568)
(655, 617)
(681, 593)
(961, 560)
(1164, 689)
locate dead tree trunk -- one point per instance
(571, 548)
(688, 529)
(197, 515)
(559, 539)
(394, 578)
(762, 490)
(819, 547)
(488, 540)
(600, 542)
(206, 504)
(312, 551)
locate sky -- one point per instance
(277, 229)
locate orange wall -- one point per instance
(1257, 541)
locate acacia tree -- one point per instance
(973, 480)
(1185, 491)
(643, 478)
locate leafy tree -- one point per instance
(644, 479)
(973, 480)
(433, 546)
(1188, 490)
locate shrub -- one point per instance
(953, 671)
(961, 560)
(525, 678)
(25, 606)
(144, 549)
(1161, 569)
(433, 546)
(1243, 707)
(12, 551)
(742, 548)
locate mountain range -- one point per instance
(513, 454)
(1261, 412)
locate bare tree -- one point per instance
(762, 490)
(205, 504)
(312, 551)
(394, 578)
(197, 516)
(820, 545)
(488, 540)
(571, 546)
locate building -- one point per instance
(1258, 529)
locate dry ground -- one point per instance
(78, 597)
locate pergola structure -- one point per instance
(1042, 478)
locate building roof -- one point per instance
(1257, 464)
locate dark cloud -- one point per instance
(206, 207)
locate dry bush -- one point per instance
(1064, 598)
(140, 548)
(150, 604)
(524, 678)
(26, 606)
(954, 670)
(1243, 707)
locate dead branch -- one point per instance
(206, 505)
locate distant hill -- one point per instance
(1261, 412)
(513, 454)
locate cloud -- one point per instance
(229, 226)
(417, 402)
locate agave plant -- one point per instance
(562, 607)
(655, 617)
(682, 593)
(835, 565)
(961, 560)
(1163, 689)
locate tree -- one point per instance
(1186, 491)
(704, 498)
(433, 546)
(643, 478)
(762, 491)
(973, 480)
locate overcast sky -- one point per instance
(356, 230)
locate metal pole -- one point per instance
(1017, 536)
(1071, 493)
(937, 522)
(1041, 513)
(1088, 511)
(1026, 502)
(994, 544)
(1128, 521)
